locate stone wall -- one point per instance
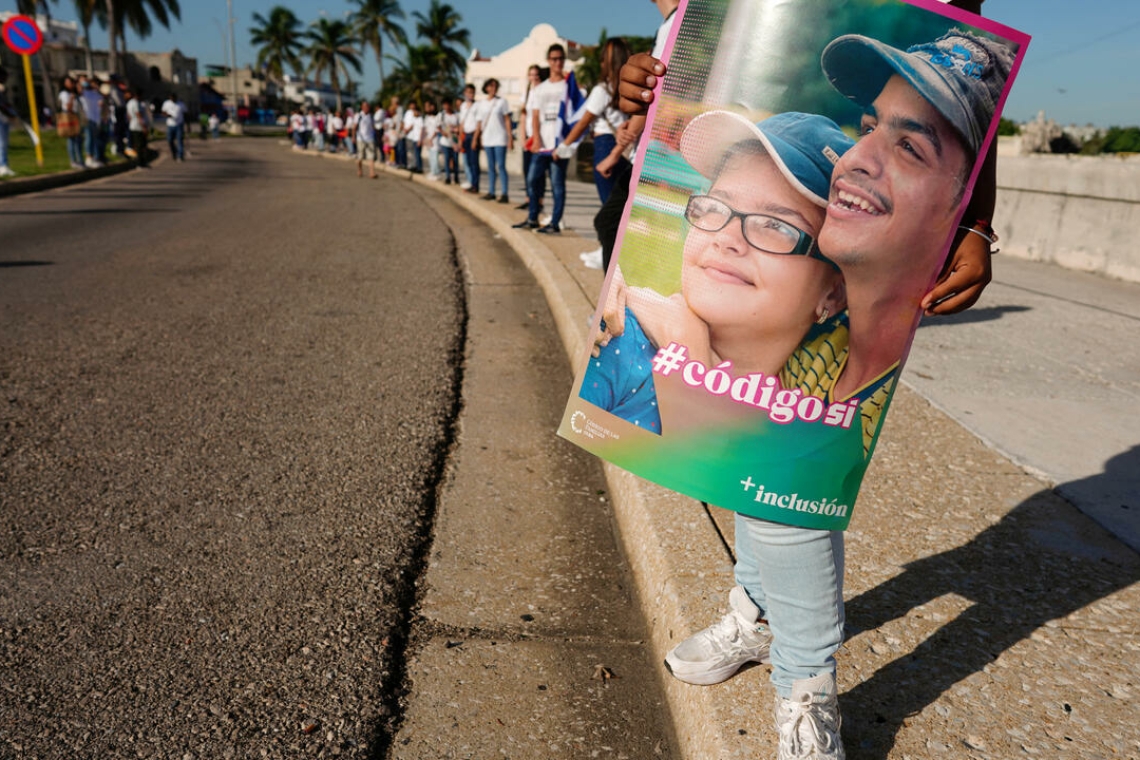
(1079, 212)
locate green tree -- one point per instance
(1122, 140)
(440, 26)
(1008, 127)
(373, 21)
(280, 40)
(332, 49)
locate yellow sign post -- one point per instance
(33, 109)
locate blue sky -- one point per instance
(1083, 64)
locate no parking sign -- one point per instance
(22, 34)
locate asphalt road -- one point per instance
(228, 389)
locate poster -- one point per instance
(804, 169)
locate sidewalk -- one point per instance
(987, 618)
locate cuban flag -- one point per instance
(571, 109)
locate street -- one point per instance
(228, 390)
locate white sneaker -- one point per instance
(808, 723)
(6, 171)
(714, 654)
(592, 259)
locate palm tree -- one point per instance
(281, 41)
(116, 15)
(441, 28)
(85, 10)
(418, 78)
(332, 49)
(373, 21)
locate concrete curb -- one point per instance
(679, 561)
(63, 179)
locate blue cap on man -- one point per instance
(961, 74)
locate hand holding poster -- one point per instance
(806, 168)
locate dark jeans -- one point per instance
(174, 136)
(471, 159)
(451, 164)
(603, 146)
(608, 218)
(413, 151)
(138, 143)
(536, 185)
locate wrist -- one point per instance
(984, 230)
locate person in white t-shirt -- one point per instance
(296, 128)
(469, 121)
(495, 134)
(449, 140)
(431, 138)
(175, 112)
(544, 102)
(365, 136)
(138, 124)
(534, 77)
(413, 137)
(69, 104)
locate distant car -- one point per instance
(282, 120)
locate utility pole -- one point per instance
(235, 128)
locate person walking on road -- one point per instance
(365, 141)
(175, 111)
(138, 124)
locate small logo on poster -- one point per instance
(583, 425)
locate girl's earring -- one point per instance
(823, 316)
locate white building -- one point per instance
(510, 66)
(304, 92)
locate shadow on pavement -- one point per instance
(1043, 561)
(68, 211)
(13, 264)
(970, 316)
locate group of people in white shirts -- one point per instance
(436, 140)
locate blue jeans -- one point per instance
(401, 153)
(603, 146)
(174, 137)
(75, 149)
(496, 166)
(471, 160)
(795, 576)
(91, 139)
(451, 164)
(415, 155)
(536, 185)
(4, 128)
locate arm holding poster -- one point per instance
(789, 222)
